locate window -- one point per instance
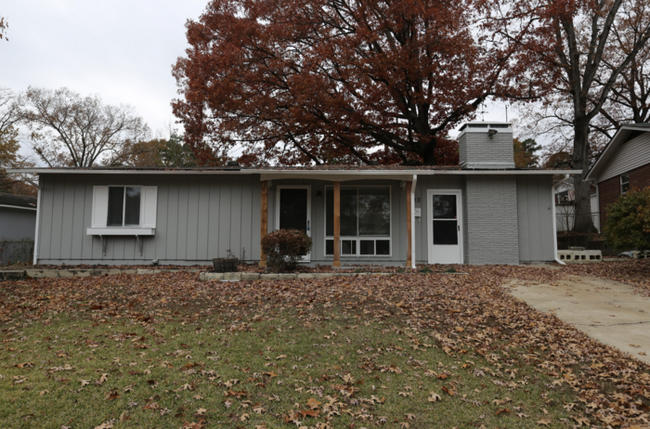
(625, 183)
(123, 210)
(124, 205)
(365, 221)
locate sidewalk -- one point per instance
(606, 310)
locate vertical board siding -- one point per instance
(193, 219)
(535, 218)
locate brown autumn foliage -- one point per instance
(470, 317)
(325, 82)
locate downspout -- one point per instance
(413, 185)
(557, 259)
(38, 221)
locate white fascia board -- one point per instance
(506, 172)
(122, 172)
(17, 207)
(339, 175)
(333, 175)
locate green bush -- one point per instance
(285, 248)
(628, 221)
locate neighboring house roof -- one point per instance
(625, 134)
(11, 200)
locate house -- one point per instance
(484, 211)
(565, 204)
(623, 164)
(17, 226)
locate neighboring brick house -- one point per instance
(624, 164)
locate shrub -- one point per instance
(285, 248)
(628, 221)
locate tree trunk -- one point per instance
(583, 220)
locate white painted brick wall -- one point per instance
(492, 233)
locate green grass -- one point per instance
(260, 371)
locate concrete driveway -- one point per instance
(606, 310)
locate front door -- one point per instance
(293, 210)
(445, 227)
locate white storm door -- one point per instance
(293, 210)
(445, 226)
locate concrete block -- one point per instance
(278, 276)
(250, 276)
(145, 271)
(113, 271)
(211, 276)
(12, 275)
(315, 275)
(79, 273)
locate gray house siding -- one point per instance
(16, 234)
(535, 218)
(630, 155)
(491, 226)
(198, 218)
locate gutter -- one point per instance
(557, 259)
(37, 229)
(413, 185)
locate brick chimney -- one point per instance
(486, 145)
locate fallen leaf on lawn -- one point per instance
(244, 417)
(434, 397)
(25, 365)
(581, 421)
(409, 416)
(545, 422)
(281, 357)
(43, 392)
(313, 403)
(111, 395)
(201, 411)
(502, 411)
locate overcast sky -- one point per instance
(122, 50)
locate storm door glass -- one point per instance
(293, 209)
(445, 220)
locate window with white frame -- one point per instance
(121, 208)
(365, 221)
(124, 205)
(625, 183)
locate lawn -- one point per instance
(409, 350)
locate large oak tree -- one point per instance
(343, 81)
(586, 46)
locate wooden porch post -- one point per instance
(408, 225)
(337, 224)
(264, 228)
